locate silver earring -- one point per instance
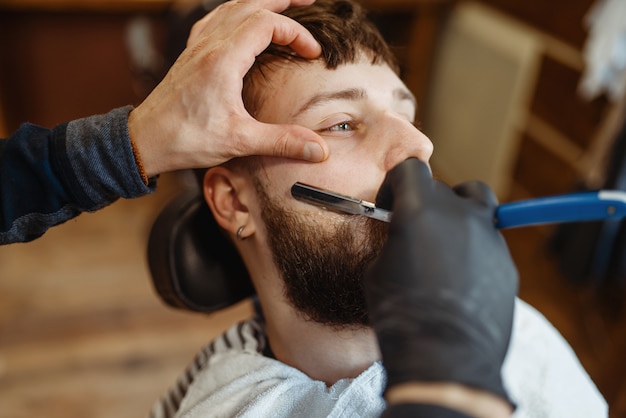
(239, 231)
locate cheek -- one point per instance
(359, 172)
(350, 171)
(283, 173)
(355, 182)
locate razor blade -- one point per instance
(573, 207)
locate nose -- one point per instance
(402, 140)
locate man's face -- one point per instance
(366, 115)
(363, 111)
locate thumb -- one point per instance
(289, 141)
(408, 180)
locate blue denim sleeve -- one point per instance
(48, 176)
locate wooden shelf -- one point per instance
(159, 5)
(85, 5)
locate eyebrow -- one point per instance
(404, 94)
(351, 94)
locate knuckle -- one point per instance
(281, 143)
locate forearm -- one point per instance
(48, 176)
(100, 161)
(444, 400)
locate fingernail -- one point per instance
(313, 152)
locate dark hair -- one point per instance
(344, 32)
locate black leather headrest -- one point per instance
(194, 265)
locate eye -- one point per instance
(346, 126)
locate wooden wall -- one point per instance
(564, 139)
(58, 65)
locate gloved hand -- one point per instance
(441, 294)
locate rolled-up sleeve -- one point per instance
(48, 176)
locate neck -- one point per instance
(323, 353)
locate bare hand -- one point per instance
(196, 118)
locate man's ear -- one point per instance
(229, 195)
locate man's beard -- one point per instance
(323, 268)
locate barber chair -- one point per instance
(194, 265)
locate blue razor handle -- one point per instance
(574, 207)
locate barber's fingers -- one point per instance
(277, 5)
(251, 25)
(477, 191)
(261, 29)
(287, 141)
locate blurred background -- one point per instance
(506, 93)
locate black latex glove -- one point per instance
(442, 292)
